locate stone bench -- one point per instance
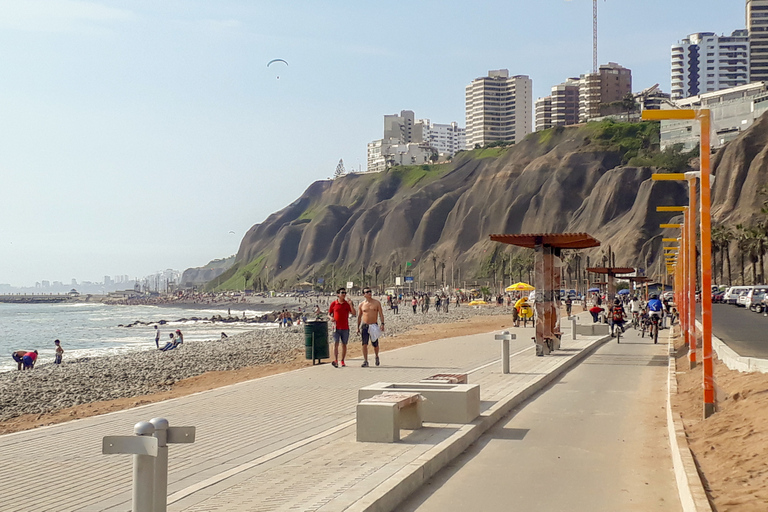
(380, 417)
(449, 378)
(592, 329)
(444, 402)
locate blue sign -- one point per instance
(408, 279)
(320, 280)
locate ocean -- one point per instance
(87, 329)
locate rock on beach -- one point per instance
(49, 387)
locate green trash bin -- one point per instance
(316, 340)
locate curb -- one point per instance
(690, 489)
(387, 496)
(732, 359)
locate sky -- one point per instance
(136, 136)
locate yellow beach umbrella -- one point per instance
(519, 287)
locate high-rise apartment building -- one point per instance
(704, 62)
(543, 118)
(498, 108)
(561, 107)
(400, 127)
(446, 139)
(757, 27)
(565, 103)
(598, 90)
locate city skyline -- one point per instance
(141, 136)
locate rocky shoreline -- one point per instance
(49, 388)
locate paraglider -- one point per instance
(277, 60)
(231, 232)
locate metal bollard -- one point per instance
(164, 435)
(573, 327)
(149, 448)
(505, 338)
(143, 447)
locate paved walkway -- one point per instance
(280, 442)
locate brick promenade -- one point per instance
(285, 442)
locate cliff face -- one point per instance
(201, 275)
(557, 181)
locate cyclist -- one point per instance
(655, 308)
(618, 316)
(636, 307)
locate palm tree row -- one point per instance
(751, 243)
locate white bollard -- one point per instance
(573, 327)
(505, 338)
(166, 434)
(143, 447)
(143, 472)
(149, 448)
(161, 464)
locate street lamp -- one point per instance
(705, 217)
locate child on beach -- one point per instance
(59, 352)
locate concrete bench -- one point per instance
(444, 402)
(380, 417)
(449, 378)
(592, 329)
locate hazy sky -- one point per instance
(135, 135)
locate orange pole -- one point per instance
(706, 266)
(681, 300)
(691, 262)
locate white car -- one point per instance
(743, 299)
(732, 294)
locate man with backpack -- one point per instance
(618, 316)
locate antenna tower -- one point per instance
(594, 36)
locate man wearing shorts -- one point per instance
(339, 311)
(368, 314)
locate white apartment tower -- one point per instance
(498, 108)
(704, 62)
(757, 27)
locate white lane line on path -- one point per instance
(173, 498)
(496, 361)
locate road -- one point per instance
(593, 441)
(740, 329)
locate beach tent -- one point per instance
(519, 287)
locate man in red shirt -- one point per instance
(339, 311)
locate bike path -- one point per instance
(594, 441)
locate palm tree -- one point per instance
(742, 243)
(247, 275)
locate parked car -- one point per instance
(756, 304)
(732, 294)
(718, 297)
(755, 298)
(743, 299)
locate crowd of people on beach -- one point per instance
(26, 359)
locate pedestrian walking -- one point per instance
(339, 311)
(157, 337)
(368, 315)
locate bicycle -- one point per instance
(654, 328)
(635, 320)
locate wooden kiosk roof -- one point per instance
(558, 240)
(611, 270)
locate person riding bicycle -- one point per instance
(655, 308)
(618, 315)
